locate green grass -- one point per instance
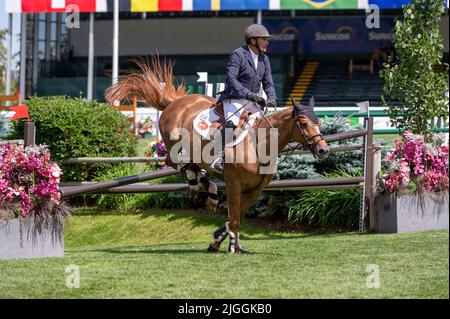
(162, 254)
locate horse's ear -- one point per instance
(311, 102)
(295, 104)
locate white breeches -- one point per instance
(231, 107)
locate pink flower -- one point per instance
(27, 175)
(415, 161)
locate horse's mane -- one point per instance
(152, 84)
(275, 116)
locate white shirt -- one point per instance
(255, 58)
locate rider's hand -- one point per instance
(271, 103)
(257, 99)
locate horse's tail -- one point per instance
(152, 84)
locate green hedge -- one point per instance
(75, 127)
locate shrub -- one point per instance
(143, 200)
(75, 127)
(327, 207)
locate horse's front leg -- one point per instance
(231, 228)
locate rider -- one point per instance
(249, 76)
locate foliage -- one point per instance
(29, 185)
(414, 164)
(327, 207)
(411, 80)
(139, 201)
(75, 127)
(156, 149)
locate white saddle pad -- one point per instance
(202, 125)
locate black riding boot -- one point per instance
(218, 163)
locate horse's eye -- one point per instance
(304, 125)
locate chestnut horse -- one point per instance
(153, 85)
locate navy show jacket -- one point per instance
(242, 77)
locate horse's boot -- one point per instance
(218, 162)
(219, 236)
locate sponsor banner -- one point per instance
(318, 4)
(322, 35)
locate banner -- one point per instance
(324, 35)
(30, 6)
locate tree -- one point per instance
(411, 79)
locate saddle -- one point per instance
(218, 108)
(211, 119)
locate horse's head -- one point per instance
(307, 131)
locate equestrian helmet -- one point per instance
(255, 31)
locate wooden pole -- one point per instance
(30, 134)
(376, 177)
(368, 174)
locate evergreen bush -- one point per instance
(75, 127)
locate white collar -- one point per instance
(252, 53)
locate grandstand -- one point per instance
(331, 84)
(310, 52)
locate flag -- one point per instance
(363, 107)
(21, 112)
(202, 76)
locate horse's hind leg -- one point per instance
(211, 187)
(193, 187)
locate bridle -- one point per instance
(309, 141)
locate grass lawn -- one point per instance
(162, 254)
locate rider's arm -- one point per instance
(234, 65)
(267, 81)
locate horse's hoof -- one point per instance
(211, 205)
(240, 251)
(212, 249)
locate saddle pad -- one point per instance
(203, 124)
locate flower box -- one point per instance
(412, 211)
(17, 241)
(32, 212)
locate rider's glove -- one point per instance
(257, 99)
(271, 103)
